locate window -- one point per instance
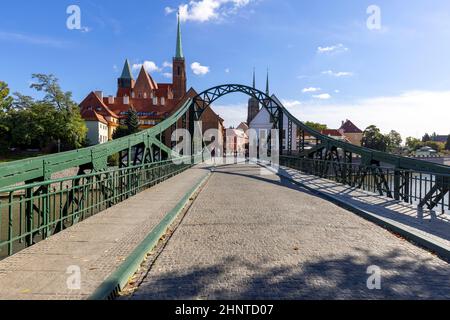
(155, 100)
(163, 101)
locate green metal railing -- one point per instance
(33, 212)
(410, 186)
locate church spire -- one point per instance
(267, 83)
(126, 73)
(179, 52)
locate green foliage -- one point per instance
(113, 160)
(316, 126)
(393, 141)
(374, 139)
(413, 143)
(5, 99)
(39, 124)
(120, 132)
(426, 138)
(131, 125)
(132, 121)
(438, 146)
(447, 144)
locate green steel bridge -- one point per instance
(37, 203)
(34, 205)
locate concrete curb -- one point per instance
(410, 235)
(110, 288)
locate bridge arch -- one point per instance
(204, 99)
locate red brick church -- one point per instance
(152, 101)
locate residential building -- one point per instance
(351, 132)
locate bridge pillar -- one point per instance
(281, 130)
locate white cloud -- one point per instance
(169, 10)
(149, 66)
(338, 74)
(332, 49)
(290, 104)
(227, 70)
(323, 96)
(208, 10)
(233, 114)
(167, 75)
(311, 89)
(411, 113)
(198, 69)
(167, 64)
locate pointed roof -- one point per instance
(349, 127)
(126, 73)
(267, 84)
(145, 82)
(179, 52)
(254, 79)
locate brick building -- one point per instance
(154, 102)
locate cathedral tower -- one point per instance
(253, 104)
(179, 67)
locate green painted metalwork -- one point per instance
(45, 206)
(410, 186)
(324, 147)
(36, 211)
(93, 158)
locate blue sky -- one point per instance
(325, 63)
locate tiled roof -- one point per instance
(92, 115)
(145, 83)
(332, 132)
(93, 101)
(350, 127)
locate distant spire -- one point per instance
(267, 83)
(126, 73)
(179, 53)
(254, 79)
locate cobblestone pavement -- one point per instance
(97, 245)
(252, 236)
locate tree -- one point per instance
(120, 132)
(5, 106)
(374, 139)
(413, 143)
(316, 126)
(447, 144)
(393, 140)
(38, 124)
(5, 99)
(68, 127)
(131, 125)
(438, 146)
(426, 138)
(132, 121)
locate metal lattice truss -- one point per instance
(144, 147)
(150, 145)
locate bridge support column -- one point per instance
(281, 130)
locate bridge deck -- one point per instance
(97, 245)
(252, 236)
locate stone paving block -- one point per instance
(249, 236)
